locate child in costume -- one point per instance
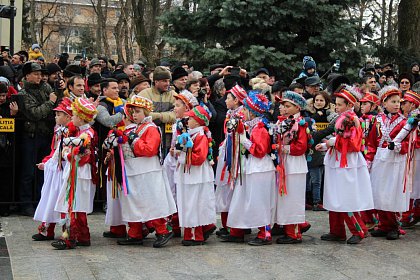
(184, 101)
(78, 189)
(194, 179)
(410, 103)
(253, 199)
(53, 175)
(387, 166)
(117, 151)
(149, 197)
(291, 145)
(228, 166)
(369, 109)
(347, 188)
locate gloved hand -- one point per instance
(119, 109)
(182, 157)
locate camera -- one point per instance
(235, 71)
(202, 92)
(58, 81)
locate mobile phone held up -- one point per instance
(235, 71)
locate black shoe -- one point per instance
(288, 240)
(230, 238)
(192, 243)
(305, 229)
(259, 242)
(222, 231)
(62, 245)
(109, 234)
(332, 237)
(378, 233)
(277, 231)
(162, 239)
(41, 237)
(393, 235)
(207, 234)
(318, 207)
(247, 231)
(28, 211)
(83, 243)
(411, 224)
(130, 241)
(355, 239)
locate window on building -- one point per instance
(69, 48)
(76, 32)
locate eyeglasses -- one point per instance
(405, 83)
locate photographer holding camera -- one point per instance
(55, 78)
(193, 85)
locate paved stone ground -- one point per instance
(313, 259)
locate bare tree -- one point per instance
(100, 8)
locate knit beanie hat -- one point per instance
(161, 73)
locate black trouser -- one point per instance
(33, 150)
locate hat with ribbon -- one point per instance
(64, 106)
(199, 114)
(238, 92)
(411, 96)
(349, 93)
(371, 97)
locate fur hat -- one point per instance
(199, 114)
(294, 98)
(407, 76)
(257, 102)
(178, 72)
(188, 98)
(161, 73)
(388, 91)
(140, 102)
(72, 70)
(93, 79)
(30, 67)
(84, 109)
(52, 68)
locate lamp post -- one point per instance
(12, 27)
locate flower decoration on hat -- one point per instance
(388, 91)
(84, 109)
(350, 93)
(188, 98)
(257, 102)
(140, 102)
(294, 98)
